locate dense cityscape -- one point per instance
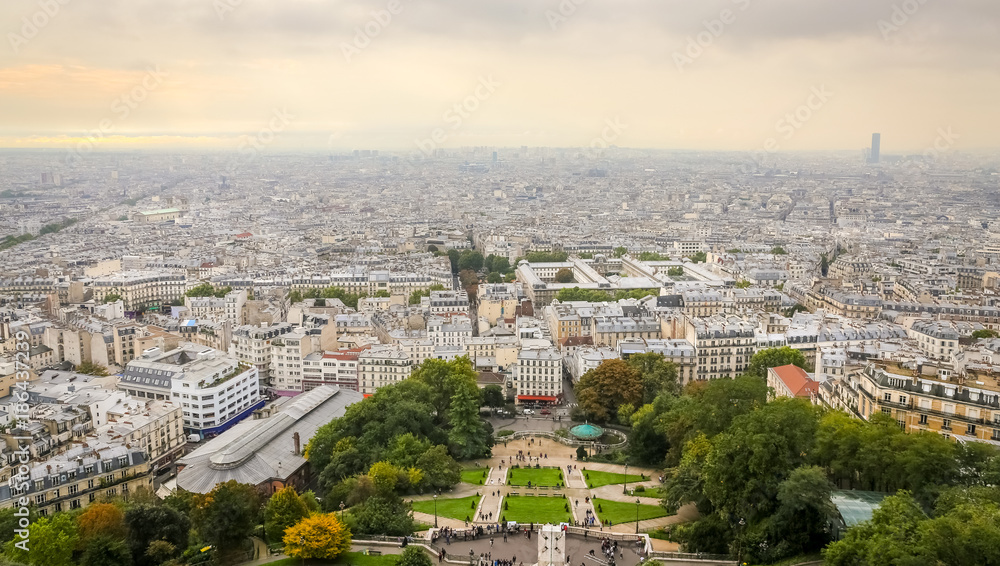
(241, 335)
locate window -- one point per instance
(923, 419)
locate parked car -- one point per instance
(546, 412)
(529, 412)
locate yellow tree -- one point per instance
(320, 536)
(101, 519)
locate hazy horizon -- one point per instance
(326, 75)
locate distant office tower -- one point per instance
(876, 147)
(494, 157)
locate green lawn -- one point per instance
(654, 492)
(349, 559)
(543, 476)
(624, 512)
(536, 509)
(475, 476)
(597, 479)
(452, 508)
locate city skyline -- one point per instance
(735, 75)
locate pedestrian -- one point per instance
(491, 542)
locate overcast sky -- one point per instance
(676, 74)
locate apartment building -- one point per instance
(381, 365)
(338, 368)
(586, 358)
(215, 390)
(448, 303)
(610, 330)
(252, 345)
(702, 303)
(453, 331)
(235, 301)
(154, 426)
(935, 338)
(538, 376)
(141, 289)
(964, 407)
(724, 346)
(78, 477)
(496, 301)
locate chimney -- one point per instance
(295, 439)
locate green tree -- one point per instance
(493, 397)
(890, 537)
(308, 499)
(453, 256)
(658, 375)
(470, 260)
(90, 368)
(432, 248)
(699, 257)
(440, 469)
(578, 294)
(50, 542)
(468, 437)
(106, 551)
(111, 298)
(675, 271)
(985, 333)
(414, 556)
(202, 290)
(498, 264)
(494, 277)
(620, 251)
(383, 516)
(227, 515)
(774, 357)
(778, 250)
(546, 257)
(406, 450)
(283, 510)
(445, 378)
(603, 389)
(564, 275)
(382, 294)
(743, 284)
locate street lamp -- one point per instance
(435, 511)
(636, 515)
(341, 511)
(625, 489)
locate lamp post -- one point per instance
(341, 511)
(636, 515)
(625, 489)
(435, 511)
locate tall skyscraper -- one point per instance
(876, 148)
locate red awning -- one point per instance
(536, 398)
